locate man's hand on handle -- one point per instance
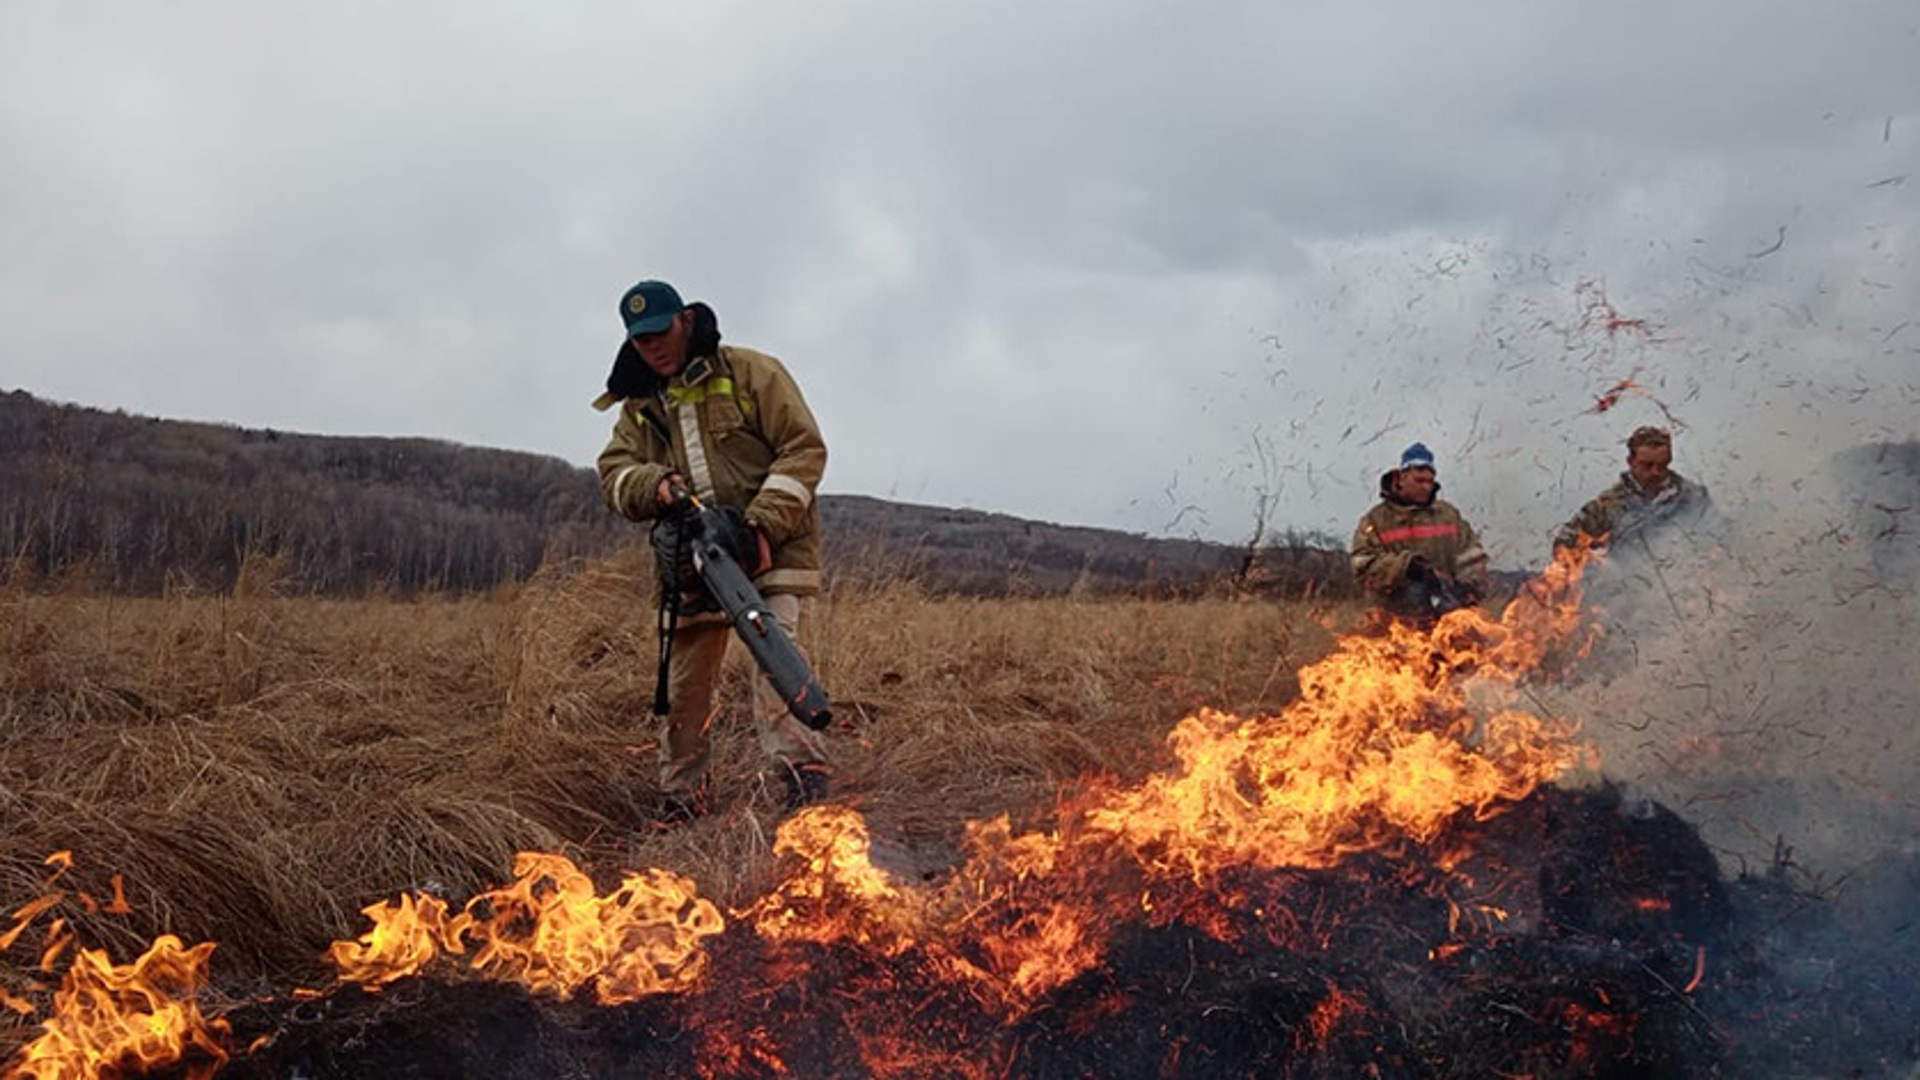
(756, 557)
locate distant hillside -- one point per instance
(141, 503)
(978, 552)
(145, 499)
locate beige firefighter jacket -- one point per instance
(1625, 510)
(1393, 532)
(736, 427)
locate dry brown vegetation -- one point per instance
(260, 767)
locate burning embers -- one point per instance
(1270, 837)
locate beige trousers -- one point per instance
(698, 653)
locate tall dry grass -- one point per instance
(260, 766)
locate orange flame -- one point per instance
(24, 915)
(405, 938)
(107, 1018)
(1392, 737)
(835, 893)
(1381, 747)
(550, 932)
(118, 905)
(112, 1019)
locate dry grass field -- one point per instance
(259, 767)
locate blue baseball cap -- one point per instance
(649, 307)
(1416, 456)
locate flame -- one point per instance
(118, 905)
(1393, 736)
(132, 1018)
(834, 893)
(548, 931)
(405, 938)
(1379, 748)
(551, 932)
(24, 915)
(107, 1018)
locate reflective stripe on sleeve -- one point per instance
(787, 485)
(620, 481)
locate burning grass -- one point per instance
(260, 768)
(1361, 870)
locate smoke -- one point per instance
(1757, 672)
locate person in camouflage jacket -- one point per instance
(729, 424)
(1414, 553)
(1646, 499)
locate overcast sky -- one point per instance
(1119, 263)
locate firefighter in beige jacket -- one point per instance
(1414, 553)
(1648, 498)
(729, 424)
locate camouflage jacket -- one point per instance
(735, 425)
(1394, 532)
(1625, 510)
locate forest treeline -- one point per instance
(141, 505)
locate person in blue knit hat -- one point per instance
(1414, 553)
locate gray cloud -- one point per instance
(1117, 263)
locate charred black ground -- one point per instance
(1622, 953)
